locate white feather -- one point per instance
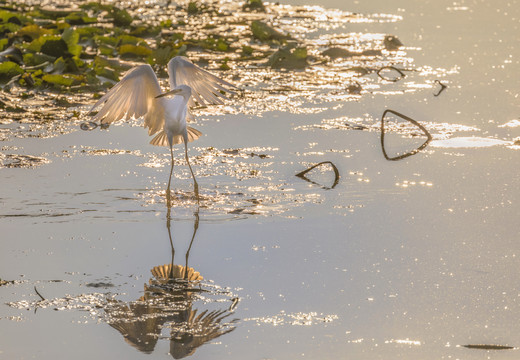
(134, 96)
(206, 87)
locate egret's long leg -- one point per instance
(168, 226)
(195, 184)
(168, 194)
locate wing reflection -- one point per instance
(167, 303)
(414, 122)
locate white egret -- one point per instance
(139, 94)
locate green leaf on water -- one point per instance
(129, 39)
(34, 59)
(121, 17)
(80, 18)
(71, 38)
(65, 80)
(106, 40)
(162, 55)
(264, 32)
(32, 31)
(88, 31)
(8, 70)
(8, 17)
(129, 50)
(8, 28)
(289, 58)
(192, 8)
(3, 44)
(254, 5)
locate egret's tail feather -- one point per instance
(161, 139)
(193, 134)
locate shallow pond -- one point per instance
(411, 258)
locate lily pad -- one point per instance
(71, 38)
(392, 43)
(254, 5)
(264, 32)
(32, 32)
(62, 80)
(192, 8)
(121, 17)
(129, 50)
(55, 47)
(80, 18)
(335, 53)
(35, 59)
(12, 54)
(8, 28)
(289, 58)
(8, 17)
(8, 70)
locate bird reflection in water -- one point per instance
(167, 303)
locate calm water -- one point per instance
(408, 259)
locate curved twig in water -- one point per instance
(400, 71)
(40, 295)
(336, 174)
(90, 125)
(443, 87)
(413, 152)
(489, 347)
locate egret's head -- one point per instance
(181, 90)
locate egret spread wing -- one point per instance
(206, 87)
(134, 96)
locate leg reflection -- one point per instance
(168, 303)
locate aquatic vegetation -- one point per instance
(68, 41)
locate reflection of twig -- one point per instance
(443, 87)
(234, 304)
(40, 295)
(90, 125)
(336, 174)
(413, 152)
(489, 347)
(400, 71)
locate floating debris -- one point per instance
(392, 43)
(336, 174)
(6, 282)
(489, 347)
(21, 161)
(100, 285)
(441, 89)
(38, 293)
(414, 122)
(397, 74)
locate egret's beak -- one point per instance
(168, 93)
